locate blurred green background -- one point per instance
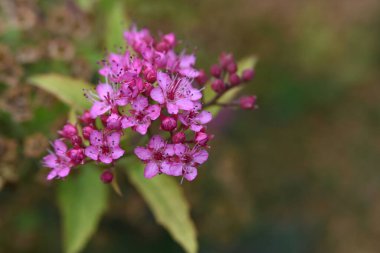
(300, 174)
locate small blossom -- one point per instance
(68, 131)
(141, 115)
(177, 94)
(153, 155)
(109, 98)
(234, 79)
(185, 161)
(104, 147)
(195, 119)
(58, 161)
(179, 137)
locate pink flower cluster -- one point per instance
(147, 84)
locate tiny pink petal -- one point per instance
(151, 170)
(191, 173)
(157, 95)
(92, 152)
(143, 153)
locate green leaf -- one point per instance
(66, 89)
(246, 63)
(82, 201)
(116, 24)
(166, 199)
(86, 5)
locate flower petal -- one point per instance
(151, 170)
(50, 161)
(104, 90)
(92, 152)
(52, 174)
(105, 158)
(140, 103)
(191, 173)
(163, 80)
(60, 147)
(154, 111)
(185, 104)
(99, 108)
(203, 117)
(96, 138)
(142, 128)
(172, 108)
(143, 153)
(113, 139)
(117, 153)
(157, 95)
(201, 156)
(127, 122)
(64, 172)
(156, 142)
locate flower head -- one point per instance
(58, 161)
(104, 147)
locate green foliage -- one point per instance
(168, 204)
(68, 90)
(116, 23)
(82, 201)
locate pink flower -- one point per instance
(247, 102)
(141, 115)
(195, 119)
(104, 147)
(184, 161)
(138, 40)
(58, 161)
(153, 155)
(121, 68)
(177, 94)
(109, 98)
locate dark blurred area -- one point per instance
(299, 174)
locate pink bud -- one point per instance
(106, 176)
(225, 59)
(248, 75)
(234, 79)
(216, 70)
(201, 138)
(202, 77)
(68, 131)
(76, 140)
(76, 155)
(103, 119)
(170, 39)
(168, 124)
(162, 46)
(86, 131)
(86, 118)
(151, 76)
(218, 86)
(232, 67)
(179, 137)
(247, 102)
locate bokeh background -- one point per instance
(300, 174)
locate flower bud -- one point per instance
(168, 124)
(162, 46)
(68, 131)
(202, 77)
(218, 86)
(76, 140)
(247, 75)
(151, 76)
(86, 118)
(225, 59)
(234, 79)
(86, 131)
(247, 102)
(216, 70)
(106, 176)
(201, 138)
(232, 67)
(179, 137)
(170, 39)
(76, 155)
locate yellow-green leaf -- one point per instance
(246, 63)
(169, 206)
(116, 24)
(82, 201)
(68, 90)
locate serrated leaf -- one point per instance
(116, 24)
(68, 90)
(166, 199)
(246, 63)
(82, 201)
